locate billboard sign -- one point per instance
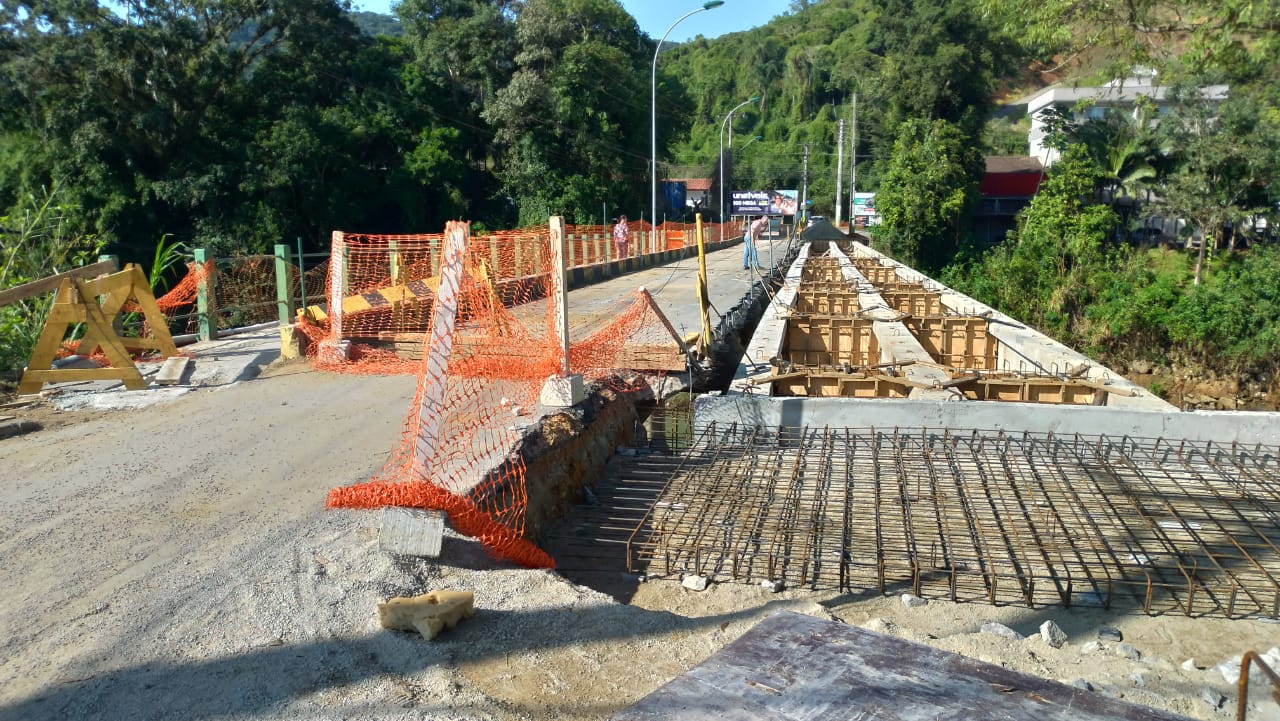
(765, 202)
(864, 209)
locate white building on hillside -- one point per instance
(1117, 95)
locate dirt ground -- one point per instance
(177, 563)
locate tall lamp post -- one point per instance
(753, 99)
(653, 123)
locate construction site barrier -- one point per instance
(488, 319)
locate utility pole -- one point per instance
(840, 173)
(853, 166)
(804, 194)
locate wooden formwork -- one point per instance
(817, 287)
(834, 303)
(840, 385)
(1033, 390)
(917, 303)
(874, 272)
(956, 341)
(813, 341)
(822, 269)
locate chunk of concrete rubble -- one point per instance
(428, 614)
(694, 583)
(1082, 684)
(913, 601)
(1138, 679)
(999, 629)
(1191, 665)
(1053, 634)
(1107, 633)
(1090, 647)
(1128, 651)
(411, 531)
(1230, 669)
(1213, 697)
(773, 586)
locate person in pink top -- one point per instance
(620, 235)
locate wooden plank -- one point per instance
(791, 667)
(172, 370)
(44, 285)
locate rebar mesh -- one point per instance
(1024, 518)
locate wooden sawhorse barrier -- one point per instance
(77, 301)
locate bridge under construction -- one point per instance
(885, 433)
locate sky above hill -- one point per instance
(655, 16)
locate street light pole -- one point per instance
(723, 123)
(653, 123)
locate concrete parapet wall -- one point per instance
(766, 342)
(1023, 348)
(1222, 427)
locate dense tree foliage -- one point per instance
(928, 187)
(236, 124)
(903, 59)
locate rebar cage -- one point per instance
(1037, 519)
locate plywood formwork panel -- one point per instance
(824, 286)
(916, 303)
(880, 275)
(1033, 390)
(833, 303)
(839, 385)
(813, 341)
(957, 341)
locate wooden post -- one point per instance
(394, 264)
(495, 257)
(560, 289)
(284, 290)
(337, 283)
(117, 324)
(440, 345)
(206, 298)
(704, 338)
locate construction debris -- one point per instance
(427, 614)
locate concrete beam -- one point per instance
(767, 341)
(1221, 427)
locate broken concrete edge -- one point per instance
(1223, 428)
(590, 431)
(562, 392)
(1027, 345)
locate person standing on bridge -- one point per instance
(620, 235)
(749, 257)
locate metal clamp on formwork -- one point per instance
(1249, 657)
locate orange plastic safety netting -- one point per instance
(489, 346)
(240, 290)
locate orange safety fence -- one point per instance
(489, 345)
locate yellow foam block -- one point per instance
(427, 614)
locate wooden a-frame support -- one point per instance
(77, 302)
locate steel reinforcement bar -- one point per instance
(1025, 518)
